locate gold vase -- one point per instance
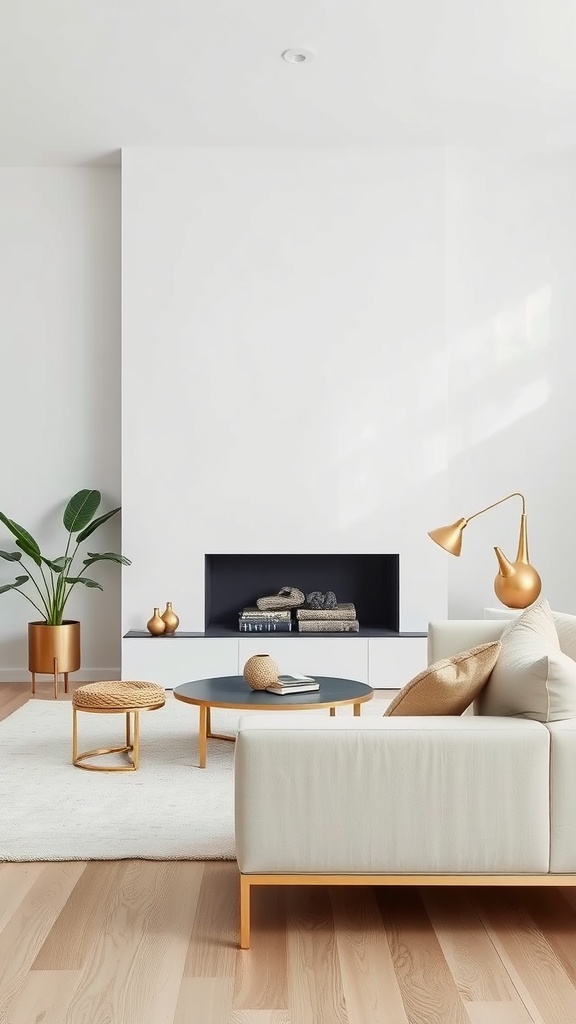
(170, 619)
(260, 671)
(156, 624)
(53, 650)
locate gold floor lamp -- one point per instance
(517, 584)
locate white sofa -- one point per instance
(400, 800)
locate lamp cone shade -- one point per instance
(449, 537)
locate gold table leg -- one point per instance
(332, 712)
(74, 736)
(203, 732)
(131, 748)
(215, 735)
(357, 709)
(136, 744)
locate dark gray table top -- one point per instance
(234, 692)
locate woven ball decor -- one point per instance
(260, 671)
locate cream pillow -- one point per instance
(449, 686)
(566, 629)
(565, 626)
(532, 678)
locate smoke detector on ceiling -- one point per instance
(297, 56)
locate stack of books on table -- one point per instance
(341, 619)
(293, 684)
(252, 620)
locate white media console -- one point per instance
(382, 662)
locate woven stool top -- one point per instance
(119, 694)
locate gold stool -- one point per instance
(111, 698)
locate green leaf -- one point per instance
(58, 564)
(19, 581)
(80, 510)
(24, 540)
(87, 583)
(94, 526)
(106, 556)
(11, 556)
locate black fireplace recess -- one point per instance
(370, 582)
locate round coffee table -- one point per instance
(233, 692)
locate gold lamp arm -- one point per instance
(515, 494)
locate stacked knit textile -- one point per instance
(340, 619)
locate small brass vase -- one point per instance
(170, 619)
(156, 624)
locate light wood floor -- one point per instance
(141, 942)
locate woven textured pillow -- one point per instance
(533, 678)
(449, 686)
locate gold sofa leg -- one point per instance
(244, 911)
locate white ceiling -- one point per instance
(79, 79)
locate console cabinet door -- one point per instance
(170, 661)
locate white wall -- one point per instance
(60, 384)
(402, 322)
(283, 364)
(300, 288)
(511, 339)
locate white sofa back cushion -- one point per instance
(447, 637)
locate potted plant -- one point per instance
(54, 642)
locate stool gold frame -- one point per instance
(131, 748)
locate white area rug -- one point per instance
(167, 810)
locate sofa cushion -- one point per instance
(449, 686)
(532, 677)
(564, 622)
(358, 795)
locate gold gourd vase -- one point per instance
(517, 584)
(170, 619)
(156, 624)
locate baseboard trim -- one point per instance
(84, 675)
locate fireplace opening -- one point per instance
(369, 582)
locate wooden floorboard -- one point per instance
(152, 942)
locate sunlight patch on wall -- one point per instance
(499, 372)
(386, 445)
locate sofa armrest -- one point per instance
(562, 795)
(391, 795)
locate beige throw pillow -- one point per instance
(449, 686)
(532, 678)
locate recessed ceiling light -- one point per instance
(297, 56)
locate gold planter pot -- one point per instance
(53, 650)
